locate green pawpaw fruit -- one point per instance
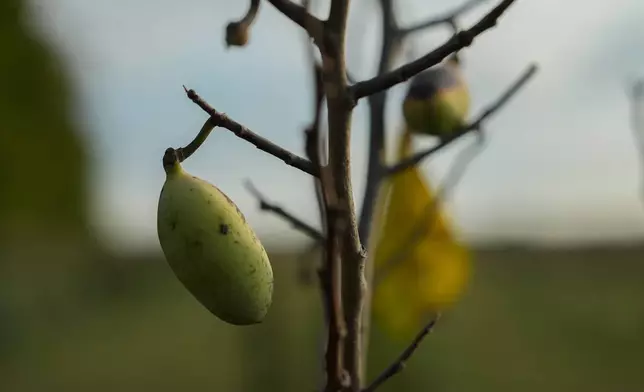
(211, 248)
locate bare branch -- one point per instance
(447, 18)
(331, 280)
(340, 107)
(335, 222)
(476, 125)
(237, 33)
(222, 120)
(329, 273)
(296, 222)
(401, 362)
(458, 41)
(338, 13)
(301, 16)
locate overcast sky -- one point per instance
(560, 163)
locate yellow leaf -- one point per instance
(420, 267)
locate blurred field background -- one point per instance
(534, 320)
(75, 315)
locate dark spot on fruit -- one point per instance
(237, 242)
(236, 208)
(252, 271)
(223, 228)
(208, 202)
(195, 177)
(173, 225)
(192, 189)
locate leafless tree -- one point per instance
(345, 280)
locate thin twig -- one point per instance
(222, 120)
(296, 222)
(401, 362)
(447, 17)
(475, 125)
(457, 42)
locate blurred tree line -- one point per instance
(44, 227)
(45, 162)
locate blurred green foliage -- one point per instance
(44, 162)
(44, 238)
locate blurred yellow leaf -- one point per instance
(420, 267)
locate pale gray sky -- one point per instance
(560, 163)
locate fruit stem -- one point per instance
(173, 157)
